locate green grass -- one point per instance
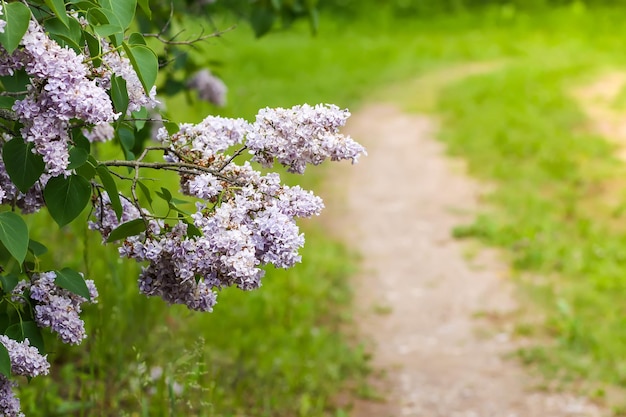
(286, 349)
(557, 206)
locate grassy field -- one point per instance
(557, 208)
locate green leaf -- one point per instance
(88, 170)
(171, 127)
(83, 4)
(314, 20)
(58, 7)
(17, 82)
(5, 322)
(5, 361)
(27, 330)
(172, 87)
(107, 30)
(73, 282)
(136, 38)
(36, 248)
(7, 102)
(17, 16)
(175, 200)
(66, 197)
(80, 141)
(164, 194)
(96, 17)
(111, 188)
(145, 6)
(115, 27)
(8, 281)
(192, 230)
(142, 113)
(145, 191)
(95, 48)
(119, 94)
(178, 210)
(124, 10)
(71, 33)
(126, 136)
(23, 166)
(105, 23)
(262, 20)
(131, 228)
(145, 63)
(14, 235)
(78, 156)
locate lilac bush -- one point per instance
(70, 79)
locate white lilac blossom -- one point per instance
(205, 186)
(56, 308)
(209, 87)
(25, 359)
(204, 140)
(301, 135)
(9, 403)
(60, 90)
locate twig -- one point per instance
(200, 38)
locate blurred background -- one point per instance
(530, 92)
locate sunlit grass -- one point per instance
(520, 129)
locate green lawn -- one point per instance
(284, 350)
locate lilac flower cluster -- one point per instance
(246, 220)
(26, 361)
(254, 225)
(9, 403)
(60, 90)
(56, 308)
(209, 87)
(200, 143)
(301, 135)
(294, 137)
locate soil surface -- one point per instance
(421, 300)
(598, 100)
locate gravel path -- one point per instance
(418, 296)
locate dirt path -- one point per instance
(418, 296)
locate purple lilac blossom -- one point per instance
(301, 135)
(245, 219)
(25, 359)
(209, 87)
(254, 225)
(60, 90)
(9, 403)
(206, 139)
(56, 308)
